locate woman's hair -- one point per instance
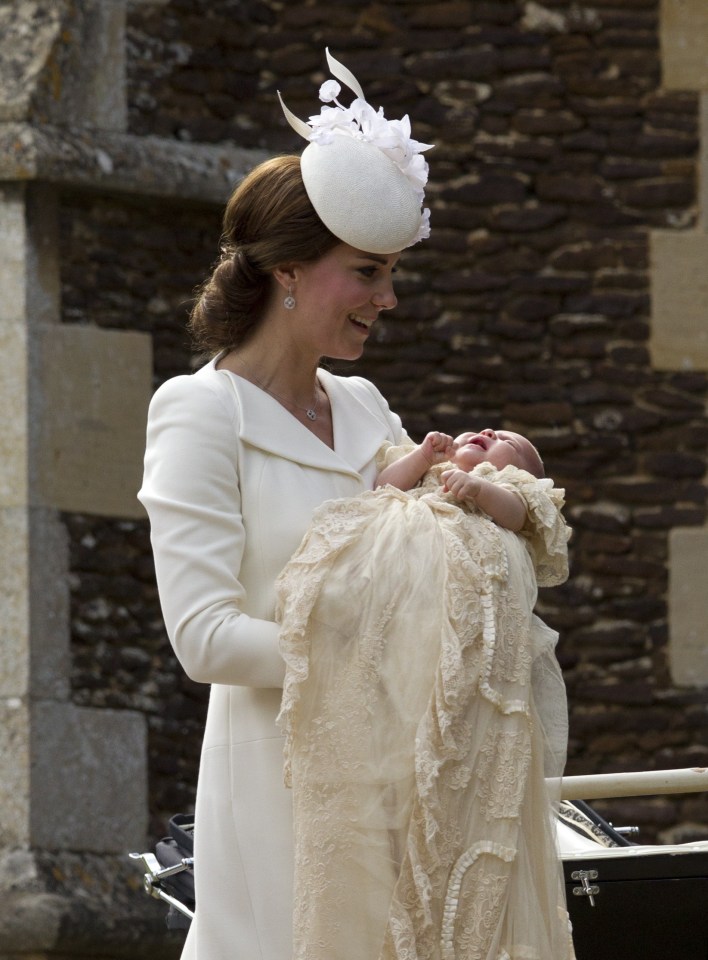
(268, 222)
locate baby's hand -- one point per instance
(463, 486)
(437, 447)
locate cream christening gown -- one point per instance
(423, 708)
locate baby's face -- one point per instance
(498, 447)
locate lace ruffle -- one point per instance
(546, 532)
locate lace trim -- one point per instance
(452, 898)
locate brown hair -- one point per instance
(268, 223)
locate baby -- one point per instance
(500, 448)
(423, 704)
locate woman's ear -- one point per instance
(286, 275)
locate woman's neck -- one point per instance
(275, 370)
(293, 384)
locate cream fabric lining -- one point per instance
(423, 707)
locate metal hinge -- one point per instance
(586, 890)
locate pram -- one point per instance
(626, 900)
(169, 871)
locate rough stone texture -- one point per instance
(80, 800)
(688, 606)
(110, 161)
(685, 41)
(63, 62)
(71, 777)
(58, 791)
(68, 905)
(96, 386)
(679, 284)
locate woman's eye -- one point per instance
(367, 271)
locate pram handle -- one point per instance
(154, 873)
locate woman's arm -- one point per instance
(191, 493)
(504, 506)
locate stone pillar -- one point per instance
(70, 778)
(73, 780)
(679, 330)
(60, 782)
(64, 771)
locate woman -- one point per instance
(241, 453)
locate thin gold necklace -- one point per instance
(310, 412)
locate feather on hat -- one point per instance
(365, 176)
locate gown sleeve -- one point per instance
(389, 453)
(545, 532)
(191, 493)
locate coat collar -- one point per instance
(266, 424)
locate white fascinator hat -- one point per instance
(365, 176)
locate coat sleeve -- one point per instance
(191, 493)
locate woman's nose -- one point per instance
(385, 297)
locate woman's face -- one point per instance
(339, 298)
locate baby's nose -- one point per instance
(488, 433)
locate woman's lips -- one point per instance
(361, 322)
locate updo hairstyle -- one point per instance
(269, 222)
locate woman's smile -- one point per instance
(362, 323)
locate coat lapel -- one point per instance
(266, 424)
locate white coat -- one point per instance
(231, 481)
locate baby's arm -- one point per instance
(504, 506)
(406, 472)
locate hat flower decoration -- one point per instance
(364, 174)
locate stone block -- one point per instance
(114, 161)
(29, 32)
(14, 772)
(49, 653)
(679, 291)
(684, 44)
(14, 603)
(29, 265)
(703, 162)
(688, 606)
(12, 252)
(63, 62)
(72, 778)
(14, 444)
(34, 599)
(93, 390)
(88, 778)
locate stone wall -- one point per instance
(563, 181)
(558, 155)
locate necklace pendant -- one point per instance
(311, 414)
